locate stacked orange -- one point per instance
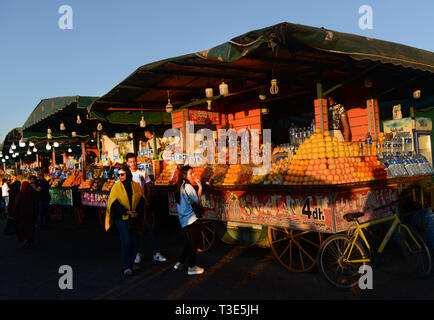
(232, 174)
(322, 159)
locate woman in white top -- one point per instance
(5, 194)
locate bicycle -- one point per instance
(341, 255)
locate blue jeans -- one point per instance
(129, 243)
(149, 232)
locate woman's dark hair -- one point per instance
(182, 177)
(129, 175)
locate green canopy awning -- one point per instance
(50, 107)
(131, 117)
(298, 55)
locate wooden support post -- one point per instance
(83, 157)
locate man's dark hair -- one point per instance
(130, 155)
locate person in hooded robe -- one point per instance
(24, 212)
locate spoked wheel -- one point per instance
(58, 212)
(208, 235)
(78, 215)
(101, 216)
(296, 250)
(415, 251)
(332, 265)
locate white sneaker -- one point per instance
(178, 266)
(195, 270)
(159, 257)
(128, 272)
(138, 258)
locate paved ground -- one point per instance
(232, 272)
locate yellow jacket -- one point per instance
(119, 193)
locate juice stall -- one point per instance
(279, 78)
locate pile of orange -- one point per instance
(322, 145)
(232, 175)
(335, 171)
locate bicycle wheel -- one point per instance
(331, 262)
(418, 256)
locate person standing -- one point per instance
(185, 196)
(142, 178)
(150, 142)
(338, 119)
(14, 190)
(24, 212)
(125, 205)
(5, 194)
(43, 189)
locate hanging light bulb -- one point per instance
(69, 150)
(49, 136)
(99, 127)
(47, 146)
(49, 130)
(29, 152)
(22, 144)
(274, 89)
(73, 134)
(169, 106)
(56, 144)
(34, 149)
(78, 119)
(31, 144)
(13, 146)
(142, 122)
(62, 126)
(6, 157)
(209, 92)
(264, 110)
(14, 155)
(262, 94)
(11, 151)
(209, 104)
(3, 160)
(224, 89)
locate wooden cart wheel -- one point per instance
(101, 216)
(78, 215)
(208, 235)
(58, 212)
(296, 250)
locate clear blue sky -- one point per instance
(110, 39)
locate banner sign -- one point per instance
(204, 117)
(94, 199)
(300, 210)
(61, 197)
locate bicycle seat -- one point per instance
(353, 215)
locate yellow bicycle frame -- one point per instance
(359, 233)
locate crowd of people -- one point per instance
(26, 206)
